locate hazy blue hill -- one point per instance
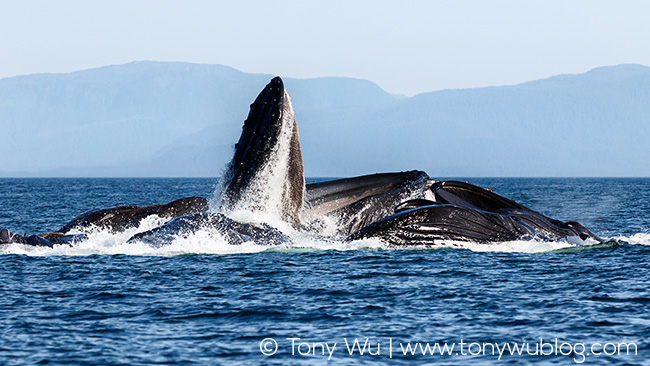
(112, 114)
(593, 124)
(180, 119)
(145, 118)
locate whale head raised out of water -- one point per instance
(266, 172)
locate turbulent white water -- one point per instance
(209, 241)
(640, 238)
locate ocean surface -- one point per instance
(201, 302)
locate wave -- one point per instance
(208, 241)
(636, 239)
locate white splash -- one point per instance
(208, 241)
(637, 239)
(105, 242)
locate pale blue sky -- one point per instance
(406, 47)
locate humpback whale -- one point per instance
(266, 175)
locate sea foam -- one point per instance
(210, 241)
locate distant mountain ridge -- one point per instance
(181, 119)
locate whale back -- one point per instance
(118, 218)
(266, 171)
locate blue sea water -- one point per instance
(104, 304)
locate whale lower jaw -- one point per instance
(444, 225)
